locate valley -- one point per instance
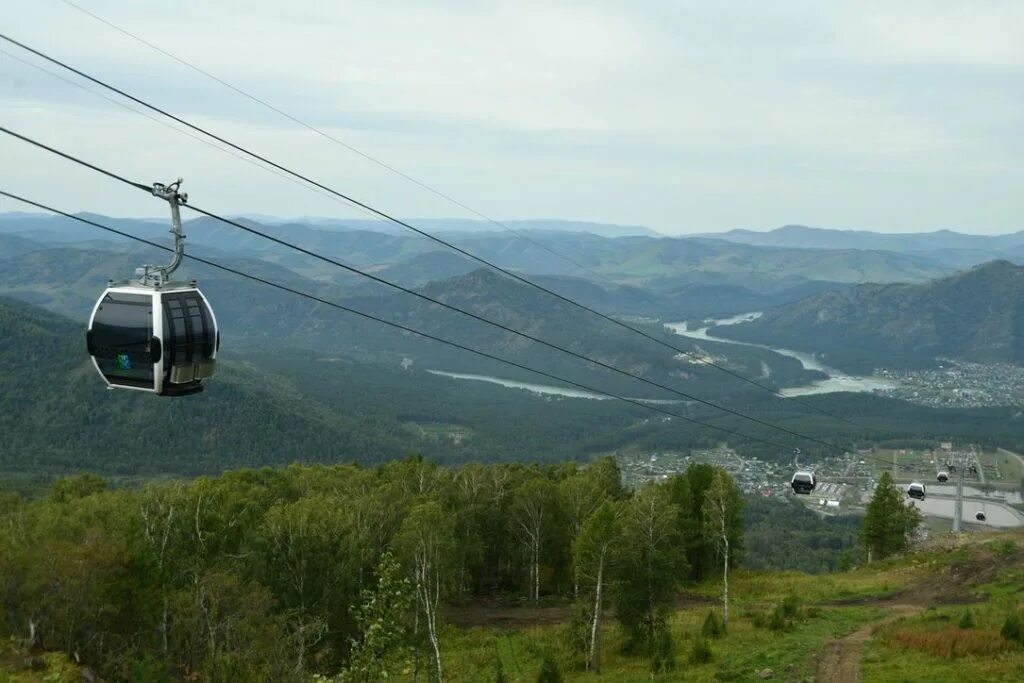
(513, 378)
(386, 374)
(834, 381)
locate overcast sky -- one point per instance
(681, 116)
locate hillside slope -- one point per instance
(274, 406)
(976, 315)
(55, 416)
(823, 238)
(67, 279)
(635, 260)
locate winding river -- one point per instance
(836, 381)
(544, 389)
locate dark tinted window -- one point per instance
(121, 334)
(188, 329)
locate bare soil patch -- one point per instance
(840, 660)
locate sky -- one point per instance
(680, 116)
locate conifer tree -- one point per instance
(889, 521)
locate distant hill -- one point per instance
(55, 416)
(278, 404)
(804, 237)
(466, 225)
(11, 245)
(427, 267)
(976, 315)
(641, 260)
(269, 407)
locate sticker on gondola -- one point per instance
(124, 362)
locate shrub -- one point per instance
(1013, 629)
(713, 627)
(760, 620)
(700, 653)
(549, 670)
(953, 642)
(778, 621)
(967, 620)
(790, 607)
(1002, 547)
(663, 651)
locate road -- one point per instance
(977, 463)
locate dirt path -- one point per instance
(840, 660)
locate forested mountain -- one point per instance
(976, 315)
(801, 236)
(453, 226)
(283, 405)
(55, 416)
(638, 260)
(276, 405)
(68, 279)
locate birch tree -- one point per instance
(307, 564)
(722, 505)
(426, 542)
(653, 565)
(594, 556)
(533, 514)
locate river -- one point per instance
(836, 381)
(544, 389)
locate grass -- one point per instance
(769, 629)
(18, 666)
(750, 645)
(1010, 467)
(933, 645)
(781, 621)
(473, 653)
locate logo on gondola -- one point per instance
(124, 362)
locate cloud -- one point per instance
(685, 116)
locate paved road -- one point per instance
(997, 514)
(977, 463)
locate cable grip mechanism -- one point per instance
(155, 276)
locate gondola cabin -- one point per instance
(943, 476)
(803, 482)
(980, 516)
(161, 339)
(916, 490)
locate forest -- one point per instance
(344, 571)
(295, 405)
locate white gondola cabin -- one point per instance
(943, 476)
(803, 482)
(916, 490)
(153, 334)
(161, 339)
(980, 516)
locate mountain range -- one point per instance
(833, 288)
(954, 248)
(660, 264)
(976, 315)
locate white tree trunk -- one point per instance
(430, 605)
(593, 661)
(536, 572)
(725, 583)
